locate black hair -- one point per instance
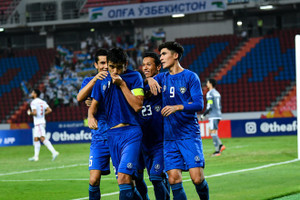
(154, 56)
(100, 52)
(37, 91)
(117, 55)
(172, 46)
(213, 82)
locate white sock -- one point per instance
(48, 144)
(37, 147)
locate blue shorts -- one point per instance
(99, 156)
(125, 147)
(154, 159)
(183, 154)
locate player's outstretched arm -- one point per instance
(135, 101)
(92, 122)
(86, 91)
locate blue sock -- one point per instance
(142, 187)
(178, 192)
(94, 192)
(136, 195)
(167, 184)
(126, 192)
(203, 190)
(160, 190)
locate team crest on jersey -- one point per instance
(157, 166)
(197, 158)
(183, 90)
(157, 108)
(164, 88)
(104, 87)
(129, 165)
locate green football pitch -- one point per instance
(249, 168)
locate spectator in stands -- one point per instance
(213, 108)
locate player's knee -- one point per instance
(174, 179)
(42, 139)
(197, 180)
(94, 181)
(124, 179)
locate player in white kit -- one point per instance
(39, 109)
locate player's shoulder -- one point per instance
(216, 92)
(190, 73)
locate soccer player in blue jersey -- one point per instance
(122, 94)
(152, 126)
(182, 98)
(99, 151)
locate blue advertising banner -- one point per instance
(154, 9)
(67, 132)
(15, 137)
(264, 127)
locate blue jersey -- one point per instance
(179, 89)
(100, 133)
(151, 121)
(117, 108)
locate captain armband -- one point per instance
(138, 92)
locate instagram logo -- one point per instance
(250, 127)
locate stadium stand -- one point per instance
(261, 75)
(6, 8)
(204, 54)
(251, 80)
(26, 65)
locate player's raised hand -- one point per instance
(101, 75)
(154, 86)
(116, 79)
(168, 110)
(88, 101)
(92, 123)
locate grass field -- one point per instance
(242, 172)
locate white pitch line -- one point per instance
(38, 170)
(216, 175)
